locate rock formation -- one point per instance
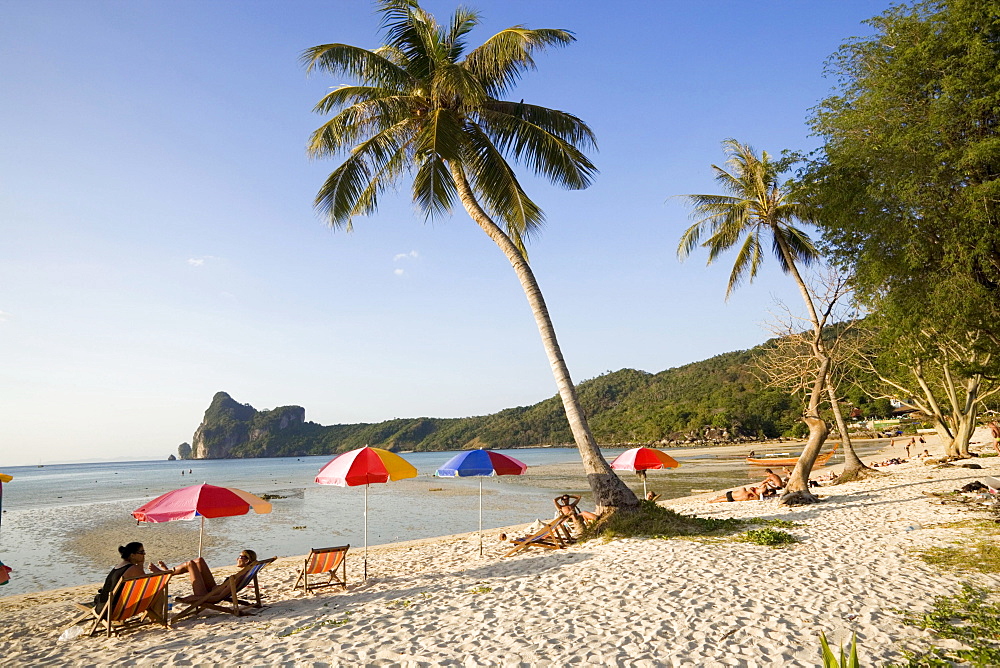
(234, 430)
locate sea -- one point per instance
(61, 523)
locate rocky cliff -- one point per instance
(234, 430)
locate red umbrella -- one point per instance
(200, 501)
(641, 460)
(363, 467)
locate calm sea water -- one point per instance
(49, 512)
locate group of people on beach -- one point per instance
(132, 565)
(770, 486)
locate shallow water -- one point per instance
(61, 523)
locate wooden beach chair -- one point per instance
(133, 602)
(225, 597)
(552, 536)
(324, 560)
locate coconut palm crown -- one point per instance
(757, 205)
(420, 107)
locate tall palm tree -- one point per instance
(421, 108)
(757, 207)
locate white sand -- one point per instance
(633, 602)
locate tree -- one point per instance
(421, 108)
(789, 363)
(758, 206)
(908, 178)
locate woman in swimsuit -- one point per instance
(202, 580)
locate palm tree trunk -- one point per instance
(610, 493)
(797, 490)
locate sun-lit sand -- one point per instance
(635, 602)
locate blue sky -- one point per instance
(158, 242)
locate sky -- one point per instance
(158, 242)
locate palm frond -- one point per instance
(367, 170)
(433, 187)
(362, 64)
(414, 34)
(343, 96)
(357, 123)
(542, 152)
(498, 189)
(559, 123)
(455, 87)
(462, 22)
(500, 60)
(747, 262)
(438, 142)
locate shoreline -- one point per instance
(170, 542)
(637, 601)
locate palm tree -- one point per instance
(756, 207)
(419, 107)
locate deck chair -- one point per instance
(225, 597)
(324, 560)
(133, 602)
(552, 536)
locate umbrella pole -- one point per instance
(201, 535)
(366, 532)
(643, 476)
(480, 516)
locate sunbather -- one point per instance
(202, 580)
(773, 480)
(566, 504)
(742, 494)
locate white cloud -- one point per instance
(4, 316)
(398, 272)
(403, 256)
(201, 261)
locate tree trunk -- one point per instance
(854, 468)
(797, 490)
(610, 493)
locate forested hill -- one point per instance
(624, 407)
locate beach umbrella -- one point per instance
(481, 463)
(365, 466)
(640, 460)
(200, 501)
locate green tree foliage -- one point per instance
(184, 450)
(908, 178)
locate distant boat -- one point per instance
(765, 460)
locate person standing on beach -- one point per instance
(995, 430)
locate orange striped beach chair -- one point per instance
(133, 602)
(324, 560)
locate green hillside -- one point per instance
(719, 397)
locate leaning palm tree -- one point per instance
(757, 208)
(420, 108)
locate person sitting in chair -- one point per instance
(202, 580)
(566, 505)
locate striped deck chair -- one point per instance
(133, 602)
(552, 536)
(225, 597)
(324, 560)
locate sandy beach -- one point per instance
(631, 602)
